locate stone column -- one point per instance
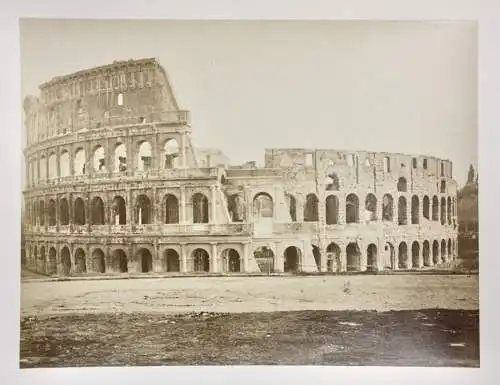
(131, 161)
(279, 262)
(363, 257)
(157, 262)
(183, 205)
(58, 213)
(109, 158)
(87, 213)
(213, 201)
(58, 162)
(88, 259)
(342, 209)
(184, 258)
(244, 267)
(343, 258)
(183, 150)
(130, 207)
(214, 258)
(71, 161)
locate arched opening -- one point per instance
(231, 261)
(415, 254)
(435, 252)
(435, 208)
(449, 249)
(352, 209)
(51, 212)
(311, 208)
(172, 153)
(332, 210)
(98, 262)
(43, 168)
(144, 156)
(119, 210)
(292, 207)
(52, 166)
(390, 257)
(426, 207)
(443, 211)
(353, 257)
(448, 207)
(120, 158)
(98, 161)
(119, 100)
(443, 250)
(402, 218)
(235, 207)
(263, 206)
(172, 261)
(119, 262)
(426, 253)
(171, 209)
(264, 257)
(332, 258)
(96, 211)
(143, 210)
(200, 208)
(201, 260)
(52, 261)
(65, 261)
(403, 256)
(292, 259)
(371, 257)
(144, 255)
(371, 208)
(332, 182)
(442, 188)
(41, 213)
(79, 212)
(387, 208)
(415, 210)
(42, 261)
(64, 211)
(79, 162)
(402, 185)
(64, 164)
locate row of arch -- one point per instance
(352, 208)
(118, 261)
(263, 207)
(405, 256)
(51, 167)
(94, 212)
(332, 183)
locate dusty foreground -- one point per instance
(405, 338)
(252, 320)
(251, 294)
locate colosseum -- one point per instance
(115, 185)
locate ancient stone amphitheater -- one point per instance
(114, 185)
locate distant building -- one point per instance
(468, 229)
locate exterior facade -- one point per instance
(114, 185)
(468, 221)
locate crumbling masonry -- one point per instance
(115, 185)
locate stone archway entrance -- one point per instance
(65, 261)
(292, 259)
(371, 258)
(231, 261)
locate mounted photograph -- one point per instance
(249, 193)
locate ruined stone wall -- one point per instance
(115, 185)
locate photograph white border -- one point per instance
(487, 13)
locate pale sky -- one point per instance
(405, 87)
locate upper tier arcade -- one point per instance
(121, 93)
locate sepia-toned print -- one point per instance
(338, 236)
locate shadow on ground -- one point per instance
(429, 337)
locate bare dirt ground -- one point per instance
(252, 294)
(325, 320)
